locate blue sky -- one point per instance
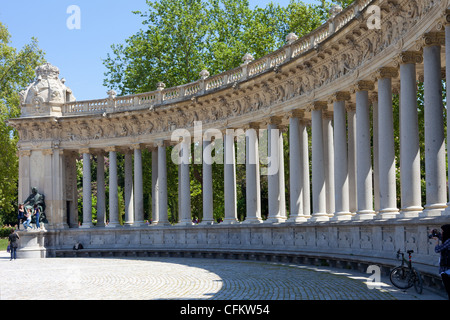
(78, 53)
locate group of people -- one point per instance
(26, 215)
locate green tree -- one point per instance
(16, 72)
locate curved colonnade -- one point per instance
(339, 80)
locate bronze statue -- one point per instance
(36, 199)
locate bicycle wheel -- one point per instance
(401, 277)
(418, 282)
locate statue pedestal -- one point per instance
(32, 245)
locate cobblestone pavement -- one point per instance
(185, 278)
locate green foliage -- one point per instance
(180, 38)
(16, 72)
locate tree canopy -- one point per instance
(16, 72)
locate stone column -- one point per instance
(386, 148)
(253, 186)
(351, 120)
(138, 187)
(363, 154)
(376, 167)
(101, 208)
(129, 189)
(328, 141)
(185, 184)
(113, 189)
(435, 176)
(275, 178)
(54, 187)
(447, 82)
(162, 177)
(409, 137)
(155, 186)
(87, 189)
(207, 188)
(318, 164)
(342, 211)
(296, 169)
(24, 175)
(230, 178)
(304, 147)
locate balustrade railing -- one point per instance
(293, 49)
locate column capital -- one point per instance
(373, 97)
(339, 96)
(363, 85)
(296, 113)
(137, 146)
(272, 120)
(432, 39)
(160, 143)
(85, 150)
(318, 105)
(24, 153)
(111, 149)
(386, 72)
(350, 107)
(409, 57)
(47, 152)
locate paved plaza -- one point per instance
(186, 278)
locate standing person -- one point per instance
(28, 215)
(37, 215)
(20, 215)
(13, 243)
(444, 250)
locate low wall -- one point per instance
(353, 244)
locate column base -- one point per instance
(298, 219)
(364, 215)
(410, 212)
(342, 216)
(113, 225)
(206, 223)
(252, 220)
(161, 224)
(317, 217)
(230, 221)
(388, 213)
(86, 226)
(184, 223)
(433, 210)
(275, 220)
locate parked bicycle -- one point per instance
(405, 276)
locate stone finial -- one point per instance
(111, 94)
(160, 86)
(335, 10)
(247, 58)
(291, 37)
(204, 74)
